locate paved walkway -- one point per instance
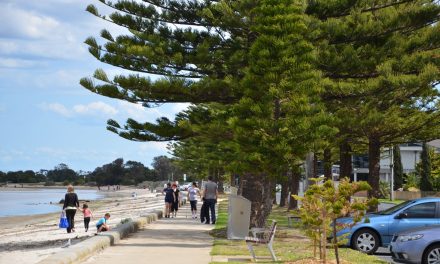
(169, 240)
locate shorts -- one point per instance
(193, 205)
(104, 229)
(169, 200)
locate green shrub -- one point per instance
(322, 204)
(411, 180)
(384, 189)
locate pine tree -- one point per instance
(425, 172)
(246, 66)
(398, 168)
(381, 63)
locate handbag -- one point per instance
(63, 221)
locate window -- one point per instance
(424, 210)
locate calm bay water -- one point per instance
(38, 201)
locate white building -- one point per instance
(410, 154)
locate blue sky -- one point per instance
(46, 117)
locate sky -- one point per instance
(46, 116)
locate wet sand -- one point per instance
(29, 239)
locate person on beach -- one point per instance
(169, 199)
(210, 195)
(87, 216)
(71, 204)
(193, 191)
(101, 225)
(175, 205)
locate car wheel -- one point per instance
(432, 255)
(365, 240)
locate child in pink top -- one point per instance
(87, 215)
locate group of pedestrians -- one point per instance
(172, 200)
(71, 206)
(208, 195)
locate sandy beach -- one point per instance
(29, 239)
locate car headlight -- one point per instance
(409, 238)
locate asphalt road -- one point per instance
(384, 254)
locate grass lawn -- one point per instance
(290, 245)
(389, 201)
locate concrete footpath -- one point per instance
(168, 240)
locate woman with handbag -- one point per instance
(71, 204)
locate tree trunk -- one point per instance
(220, 183)
(295, 176)
(374, 168)
(335, 242)
(284, 191)
(274, 200)
(345, 166)
(328, 164)
(258, 189)
(315, 165)
(220, 186)
(232, 179)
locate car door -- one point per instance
(418, 215)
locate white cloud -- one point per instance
(13, 154)
(138, 112)
(20, 23)
(153, 146)
(120, 111)
(57, 108)
(92, 109)
(16, 63)
(178, 107)
(95, 108)
(36, 36)
(7, 47)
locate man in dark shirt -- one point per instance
(210, 195)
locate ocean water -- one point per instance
(38, 201)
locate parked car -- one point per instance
(377, 229)
(420, 245)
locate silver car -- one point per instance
(420, 245)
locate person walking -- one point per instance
(175, 205)
(210, 195)
(169, 199)
(193, 191)
(71, 204)
(87, 216)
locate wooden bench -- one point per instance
(292, 218)
(266, 239)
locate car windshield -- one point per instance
(394, 209)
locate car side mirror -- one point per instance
(401, 215)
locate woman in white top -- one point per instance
(192, 197)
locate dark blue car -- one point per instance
(378, 230)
